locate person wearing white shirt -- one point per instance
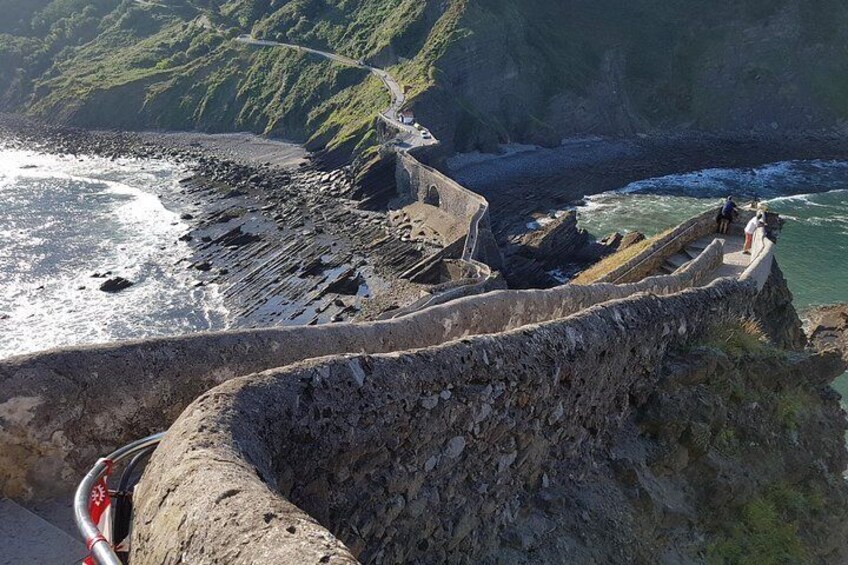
(750, 230)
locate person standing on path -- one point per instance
(750, 229)
(725, 217)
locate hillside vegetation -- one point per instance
(478, 72)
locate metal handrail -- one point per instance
(101, 549)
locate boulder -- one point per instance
(347, 283)
(553, 244)
(827, 327)
(613, 241)
(116, 284)
(616, 242)
(631, 238)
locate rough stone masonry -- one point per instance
(417, 456)
(43, 450)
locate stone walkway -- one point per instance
(735, 262)
(27, 538)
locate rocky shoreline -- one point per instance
(283, 240)
(288, 243)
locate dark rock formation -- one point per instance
(347, 283)
(375, 182)
(560, 244)
(550, 247)
(237, 238)
(774, 312)
(613, 241)
(827, 328)
(526, 272)
(556, 241)
(116, 284)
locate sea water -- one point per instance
(812, 196)
(66, 218)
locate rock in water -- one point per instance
(631, 238)
(551, 247)
(116, 284)
(827, 327)
(555, 242)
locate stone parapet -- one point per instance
(650, 259)
(60, 410)
(420, 456)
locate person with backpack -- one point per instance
(726, 215)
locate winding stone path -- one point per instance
(409, 136)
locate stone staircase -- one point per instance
(44, 534)
(734, 262)
(683, 257)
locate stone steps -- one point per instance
(26, 537)
(682, 257)
(692, 253)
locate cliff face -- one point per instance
(776, 314)
(539, 70)
(736, 457)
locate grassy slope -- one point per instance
(167, 67)
(483, 71)
(609, 264)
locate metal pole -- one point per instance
(100, 548)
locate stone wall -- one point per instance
(649, 260)
(419, 456)
(773, 308)
(762, 258)
(479, 280)
(425, 184)
(60, 410)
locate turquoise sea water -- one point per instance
(812, 196)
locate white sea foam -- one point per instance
(767, 181)
(67, 217)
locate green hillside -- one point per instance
(478, 72)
